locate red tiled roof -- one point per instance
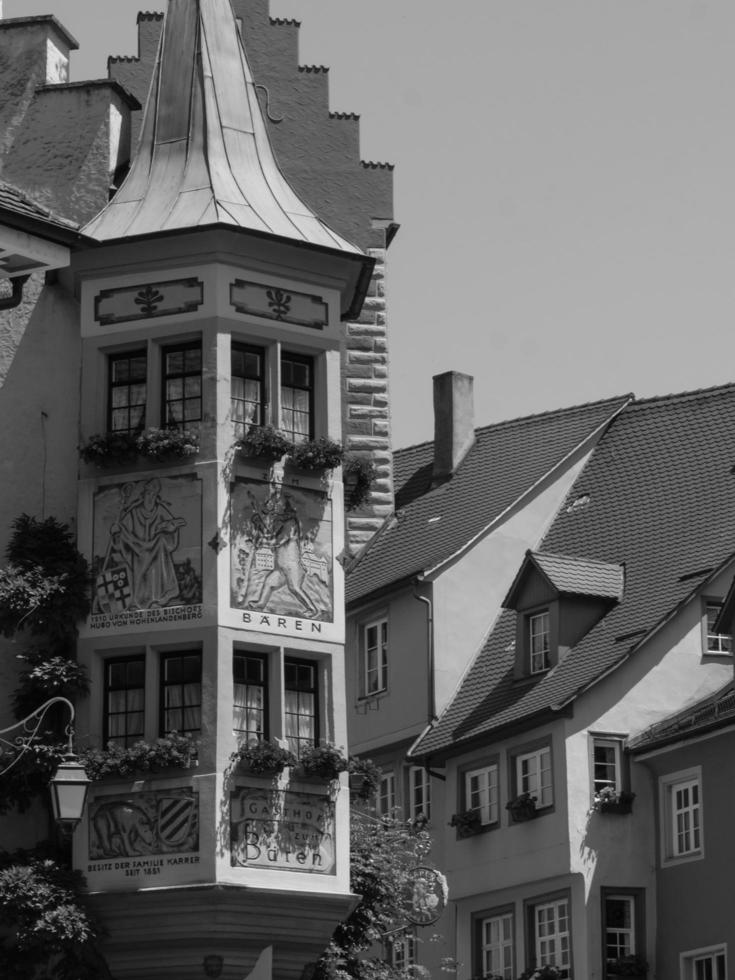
(575, 576)
(505, 462)
(661, 500)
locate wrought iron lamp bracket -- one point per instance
(28, 729)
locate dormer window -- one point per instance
(538, 641)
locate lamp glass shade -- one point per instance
(69, 791)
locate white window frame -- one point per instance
(621, 931)
(385, 797)
(497, 953)
(481, 792)
(682, 816)
(419, 792)
(375, 674)
(714, 644)
(550, 948)
(539, 660)
(402, 950)
(715, 956)
(607, 742)
(531, 781)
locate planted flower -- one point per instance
(358, 474)
(170, 751)
(609, 800)
(522, 808)
(263, 757)
(171, 443)
(322, 761)
(119, 448)
(264, 442)
(468, 822)
(317, 454)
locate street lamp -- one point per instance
(70, 782)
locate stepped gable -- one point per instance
(660, 499)
(204, 156)
(317, 151)
(505, 462)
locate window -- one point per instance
(250, 699)
(606, 764)
(622, 926)
(402, 950)
(181, 693)
(481, 793)
(375, 645)
(495, 946)
(182, 384)
(126, 393)
(124, 719)
(681, 810)
(550, 927)
(301, 710)
(538, 642)
(297, 397)
(385, 798)
(419, 792)
(533, 776)
(248, 387)
(705, 964)
(714, 644)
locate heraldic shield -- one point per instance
(177, 822)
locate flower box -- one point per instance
(264, 442)
(609, 801)
(316, 454)
(263, 758)
(151, 445)
(468, 823)
(323, 762)
(522, 808)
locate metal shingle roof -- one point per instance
(204, 156)
(661, 495)
(505, 462)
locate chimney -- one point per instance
(454, 423)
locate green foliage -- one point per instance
(45, 587)
(265, 442)
(29, 777)
(382, 851)
(541, 973)
(358, 475)
(118, 448)
(317, 454)
(323, 761)
(364, 778)
(46, 931)
(47, 677)
(170, 751)
(263, 757)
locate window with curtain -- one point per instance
(182, 384)
(297, 397)
(181, 693)
(301, 714)
(126, 392)
(247, 392)
(250, 702)
(124, 721)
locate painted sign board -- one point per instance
(147, 565)
(282, 830)
(282, 558)
(143, 839)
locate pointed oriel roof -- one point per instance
(204, 156)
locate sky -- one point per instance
(564, 185)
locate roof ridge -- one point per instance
(629, 396)
(692, 393)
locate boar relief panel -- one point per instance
(281, 554)
(147, 565)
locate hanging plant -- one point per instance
(364, 778)
(358, 475)
(263, 757)
(120, 448)
(322, 762)
(264, 442)
(317, 454)
(170, 751)
(45, 677)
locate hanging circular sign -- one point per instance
(425, 896)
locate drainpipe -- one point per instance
(16, 297)
(431, 700)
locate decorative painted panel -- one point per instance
(138, 840)
(281, 557)
(142, 302)
(281, 829)
(147, 565)
(273, 303)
